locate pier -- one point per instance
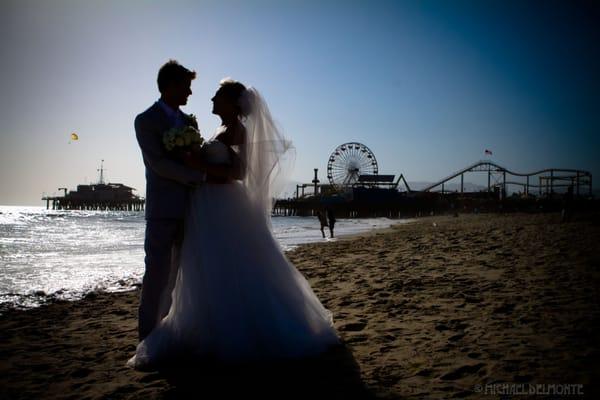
(109, 197)
(356, 189)
(98, 196)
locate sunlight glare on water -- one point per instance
(46, 254)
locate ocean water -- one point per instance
(47, 255)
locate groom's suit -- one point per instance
(167, 190)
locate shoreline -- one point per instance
(423, 309)
(39, 298)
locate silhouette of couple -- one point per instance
(216, 283)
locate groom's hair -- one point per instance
(173, 72)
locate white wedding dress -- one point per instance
(236, 297)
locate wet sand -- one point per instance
(429, 309)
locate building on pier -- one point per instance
(98, 196)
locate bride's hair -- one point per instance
(238, 94)
(267, 155)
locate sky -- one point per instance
(426, 85)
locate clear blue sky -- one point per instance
(427, 85)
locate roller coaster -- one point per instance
(548, 180)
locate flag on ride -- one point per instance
(488, 152)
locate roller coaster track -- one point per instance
(547, 174)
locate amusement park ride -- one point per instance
(353, 165)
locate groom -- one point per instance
(167, 185)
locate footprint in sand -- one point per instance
(81, 373)
(472, 299)
(427, 372)
(456, 337)
(40, 367)
(356, 338)
(504, 309)
(380, 302)
(462, 371)
(352, 327)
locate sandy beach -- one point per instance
(441, 307)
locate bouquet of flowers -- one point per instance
(184, 138)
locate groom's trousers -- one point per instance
(162, 246)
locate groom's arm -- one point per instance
(155, 158)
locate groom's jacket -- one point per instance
(167, 181)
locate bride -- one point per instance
(236, 297)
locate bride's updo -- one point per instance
(237, 93)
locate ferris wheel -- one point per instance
(348, 161)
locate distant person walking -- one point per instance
(331, 218)
(323, 221)
(567, 204)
